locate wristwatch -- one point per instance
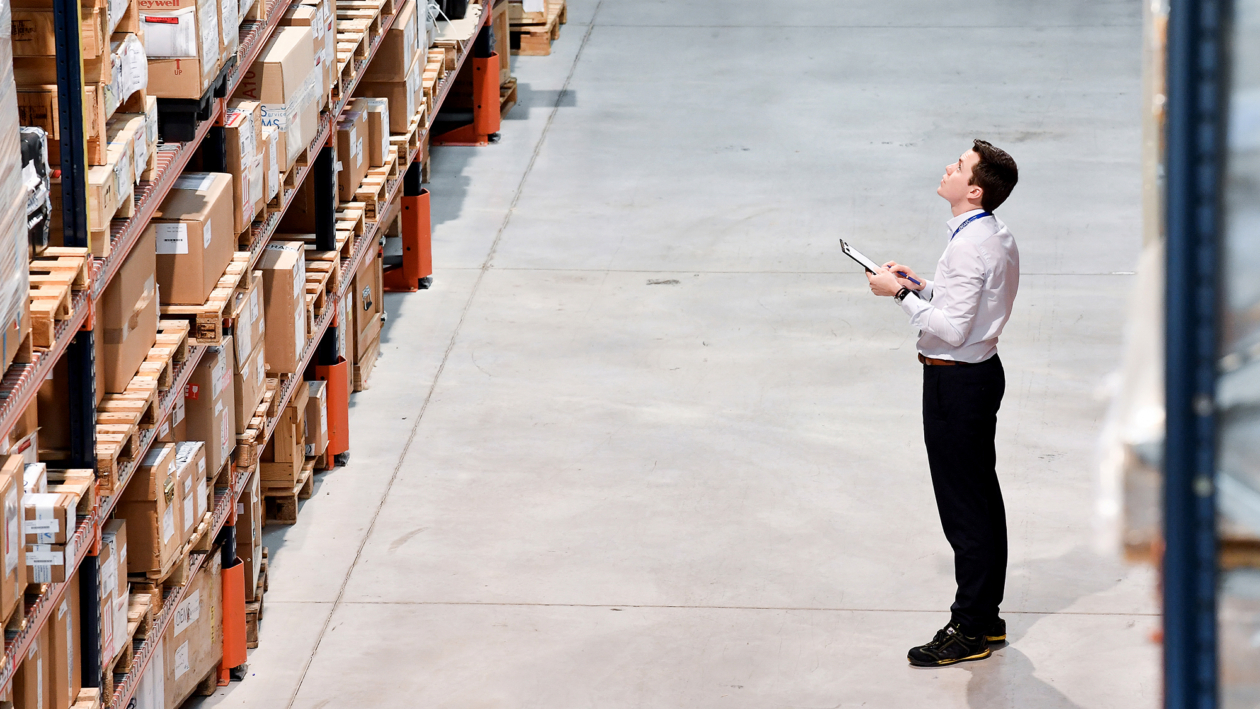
(901, 294)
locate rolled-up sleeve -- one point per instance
(950, 307)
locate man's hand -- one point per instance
(897, 268)
(884, 283)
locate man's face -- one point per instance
(955, 184)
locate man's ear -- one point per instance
(975, 192)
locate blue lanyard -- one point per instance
(971, 219)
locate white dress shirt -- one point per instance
(962, 311)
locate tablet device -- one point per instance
(857, 256)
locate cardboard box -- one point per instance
(182, 46)
(34, 478)
(194, 237)
(352, 133)
(249, 524)
(377, 110)
(190, 481)
(64, 661)
(316, 419)
(285, 453)
(321, 19)
(46, 563)
(257, 177)
(283, 264)
(229, 28)
(249, 385)
(397, 51)
(285, 79)
(13, 581)
(114, 569)
(23, 438)
(244, 162)
(152, 513)
(271, 162)
(126, 325)
(369, 304)
(30, 681)
(175, 427)
(193, 642)
(249, 323)
(211, 412)
(405, 95)
(49, 518)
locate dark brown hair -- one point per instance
(996, 174)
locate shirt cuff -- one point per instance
(926, 293)
(912, 305)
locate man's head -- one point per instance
(982, 178)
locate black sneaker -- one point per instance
(997, 632)
(949, 647)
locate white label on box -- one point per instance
(45, 558)
(230, 24)
(217, 374)
(181, 661)
(172, 238)
(109, 575)
(201, 467)
(201, 497)
(207, 17)
(120, 621)
(244, 334)
(165, 430)
(356, 145)
(218, 409)
(177, 414)
(226, 439)
(190, 514)
(254, 310)
(299, 335)
(207, 233)
(256, 179)
(188, 612)
(13, 536)
(168, 524)
(273, 170)
(299, 280)
(262, 373)
(43, 526)
(170, 33)
(197, 181)
(358, 151)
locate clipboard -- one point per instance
(857, 256)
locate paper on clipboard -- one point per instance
(857, 256)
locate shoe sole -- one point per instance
(995, 638)
(945, 663)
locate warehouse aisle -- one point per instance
(649, 441)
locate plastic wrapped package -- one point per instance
(38, 199)
(14, 267)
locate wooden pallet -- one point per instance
(249, 445)
(254, 609)
(139, 624)
(208, 318)
(282, 503)
(373, 192)
(534, 40)
(174, 334)
(409, 142)
(119, 420)
(319, 289)
(363, 367)
(54, 278)
(329, 262)
(507, 97)
(518, 16)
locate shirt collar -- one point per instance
(958, 221)
(954, 223)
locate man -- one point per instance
(960, 315)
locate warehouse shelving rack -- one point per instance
(74, 336)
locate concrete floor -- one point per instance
(649, 441)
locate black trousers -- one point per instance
(960, 405)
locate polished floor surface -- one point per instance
(650, 442)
